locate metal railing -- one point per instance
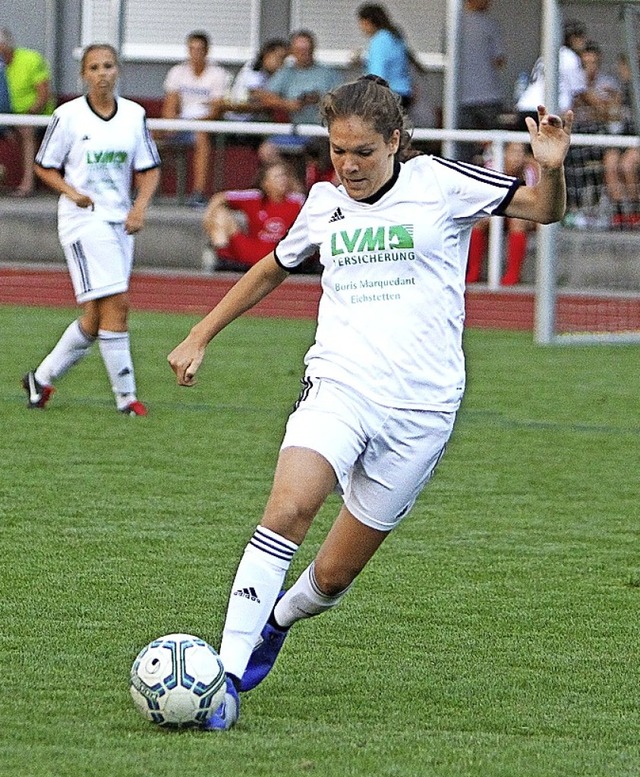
(497, 138)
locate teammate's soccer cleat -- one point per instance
(38, 394)
(264, 654)
(227, 713)
(134, 408)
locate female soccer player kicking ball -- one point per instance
(385, 375)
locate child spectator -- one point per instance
(245, 225)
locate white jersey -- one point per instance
(572, 81)
(392, 309)
(197, 91)
(97, 157)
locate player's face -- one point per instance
(197, 52)
(100, 71)
(274, 59)
(277, 182)
(361, 157)
(302, 51)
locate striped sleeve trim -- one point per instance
(492, 177)
(273, 544)
(151, 147)
(55, 120)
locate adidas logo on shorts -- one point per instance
(248, 593)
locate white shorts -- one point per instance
(383, 457)
(100, 261)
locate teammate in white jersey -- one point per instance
(93, 147)
(385, 374)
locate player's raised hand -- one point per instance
(185, 360)
(550, 137)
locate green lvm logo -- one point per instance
(371, 239)
(106, 157)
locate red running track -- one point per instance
(298, 297)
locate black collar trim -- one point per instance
(387, 186)
(93, 110)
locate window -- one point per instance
(338, 36)
(156, 30)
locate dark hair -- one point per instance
(370, 99)
(94, 47)
(378, 16)
(267, 48)
(573, 28)
(592, 47)
(201, 36)
(303, 34)
(267, 167)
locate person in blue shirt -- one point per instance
(296, 90)
(387, 55)
(5, 101)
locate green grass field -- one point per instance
(495, 633)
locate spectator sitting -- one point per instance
(194, 89)
(244, 102)
(593, 110)
(519, 163)
(621, 164)
(571, 75)
(28, 79)
(5, 101)
(387, 54)
(267, 212)
(296, 89)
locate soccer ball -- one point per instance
(177, 680)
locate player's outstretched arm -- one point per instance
(550, 138)
(260, 280)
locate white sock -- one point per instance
(257, 583)
(304, 600)
(70, 348)
(116, 355)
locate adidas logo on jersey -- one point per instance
(337, 216)
(248, 593)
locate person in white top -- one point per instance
(572, 80)
(92, 148)
(244, 96)
(385, 374)
(195, 89)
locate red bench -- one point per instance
(234, 165)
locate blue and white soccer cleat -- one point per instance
(264, 654)
(227, 713)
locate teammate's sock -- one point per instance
(116, 355)
(516, 253)
(73, 344)
(257, 583)
(303, 600)
(477, 253)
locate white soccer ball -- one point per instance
(177, 680)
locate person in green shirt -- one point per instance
(28, 78)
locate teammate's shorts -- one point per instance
(100, 261)
(382, 457)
